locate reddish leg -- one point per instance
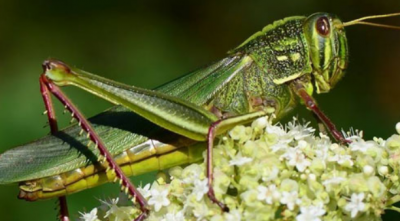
(311, 104)
(210, 176)
(63, 212)
(219, 127)
(64, 216)
(124, 181)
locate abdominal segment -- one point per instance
(146, 157)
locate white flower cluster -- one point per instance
(272, 172)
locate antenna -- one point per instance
(361, 21)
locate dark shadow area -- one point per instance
(124, 119)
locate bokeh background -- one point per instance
(147, 43)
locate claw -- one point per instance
(212, 197)
(346, 141)
(142, 216)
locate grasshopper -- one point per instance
(268, 74)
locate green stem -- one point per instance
(394, 208)
(393, 200)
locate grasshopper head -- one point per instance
(328, 49)
(56, 71)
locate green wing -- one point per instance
(67, 150)
(199, 86)
(118, 128)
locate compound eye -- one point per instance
(322, 26)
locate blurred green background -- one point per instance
(147, 43)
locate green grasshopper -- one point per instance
(150, 130)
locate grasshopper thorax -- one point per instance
(328, 49)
